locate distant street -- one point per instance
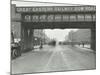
(54, 58)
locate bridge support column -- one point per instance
(28, 41)
(22, 37)
(93, 39)
(26, 38)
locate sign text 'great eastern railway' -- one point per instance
(56, 9)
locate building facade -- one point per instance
(79, 36)
(15, 25)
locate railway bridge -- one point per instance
(52, 17)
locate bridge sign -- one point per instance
(55, 9)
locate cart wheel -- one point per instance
(15, 53)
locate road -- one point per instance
(58, 58)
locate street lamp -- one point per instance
(35, 39)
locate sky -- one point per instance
(58, 34)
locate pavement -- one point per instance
(54, 58)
